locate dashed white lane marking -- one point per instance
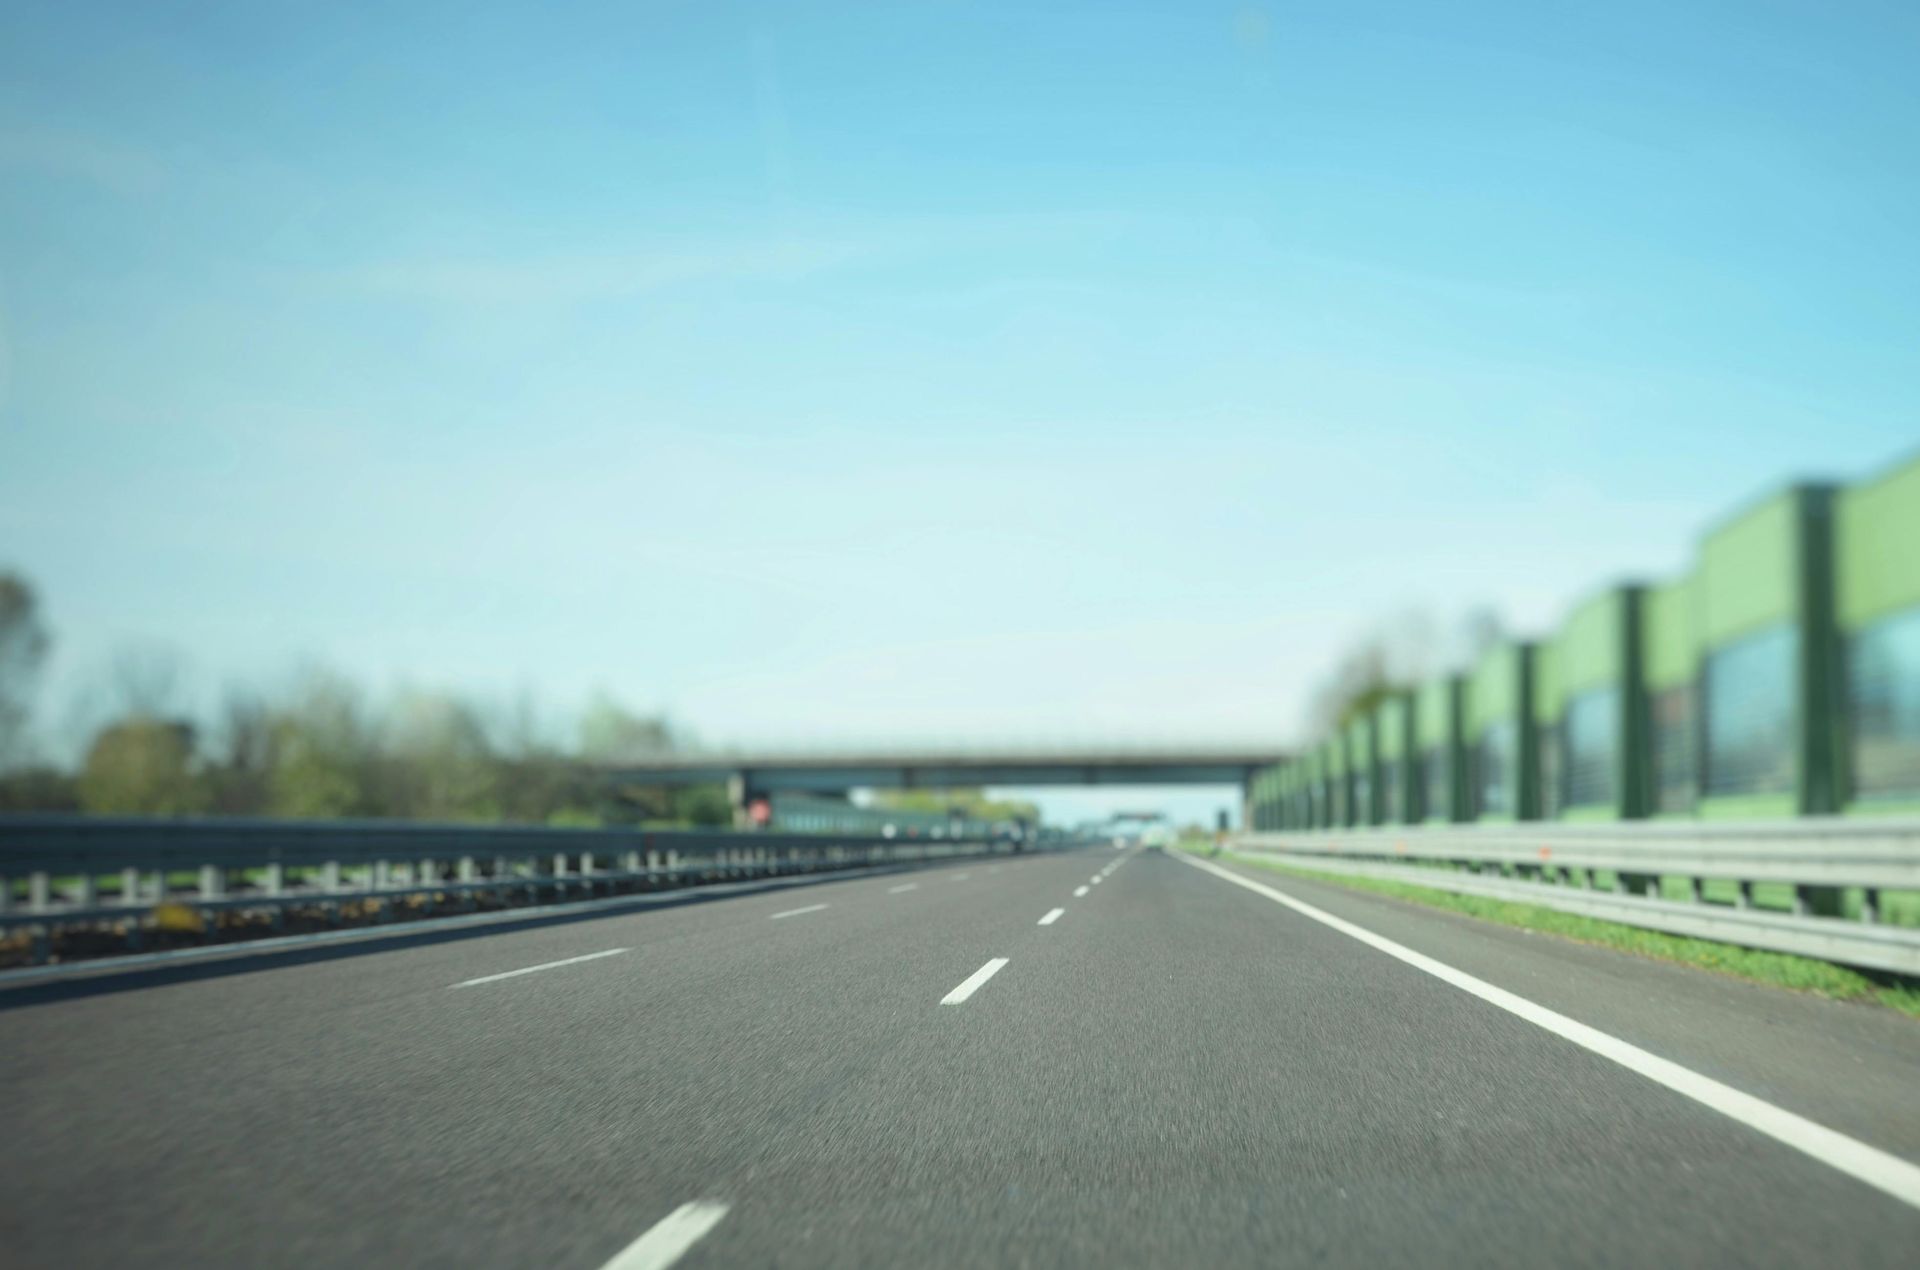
(905, 886)
(961, 877)
(1052, 917)
(1851, 1156)
(971, 984)
(1079, 891)
(795, 912)
(545, 965)
(1097, 878)
(670, 1237)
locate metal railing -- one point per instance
(62, 873)
(1829, 879)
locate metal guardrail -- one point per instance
(1555, 866)
(62, 872)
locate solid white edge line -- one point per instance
(1879, 1169)
(670, 1237)
(1052, 917)
(545, 965)
(1079, 891)
(795, 912)
(909, 886)
(971, 984)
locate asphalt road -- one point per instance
(911, 1069)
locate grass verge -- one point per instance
(1780, 970)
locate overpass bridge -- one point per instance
(751, 774)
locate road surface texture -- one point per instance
(937, 1068)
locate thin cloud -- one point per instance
(613, 275)
(576, 279)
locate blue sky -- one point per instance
(925, 371)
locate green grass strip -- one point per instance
(1780, 970)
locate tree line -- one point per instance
(323, 748)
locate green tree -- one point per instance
(706, 806)
(322, 752)
(39, 788)
(142, 766)
(535, 782)
(611, 733)
(1394, 656)
(239, 773)
(23, 647)
(440, 765)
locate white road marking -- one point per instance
(795, 912)
(1052, 917)
(1851, 1156)
(961, 877)
(545, 965)
(1079, 891)
(1097, 878)
(670, 1237)
(973, 981)
(905, 886)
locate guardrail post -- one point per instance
(1870, 904)
(39, 891)
(129, 886)
(6, 894)
(85, 892)
(274, 883)
(213, 882)
(330, 876)
(1743, 894)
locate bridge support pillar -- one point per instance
(741, 794)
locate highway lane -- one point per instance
(1172, 1071)
(204, 1112)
